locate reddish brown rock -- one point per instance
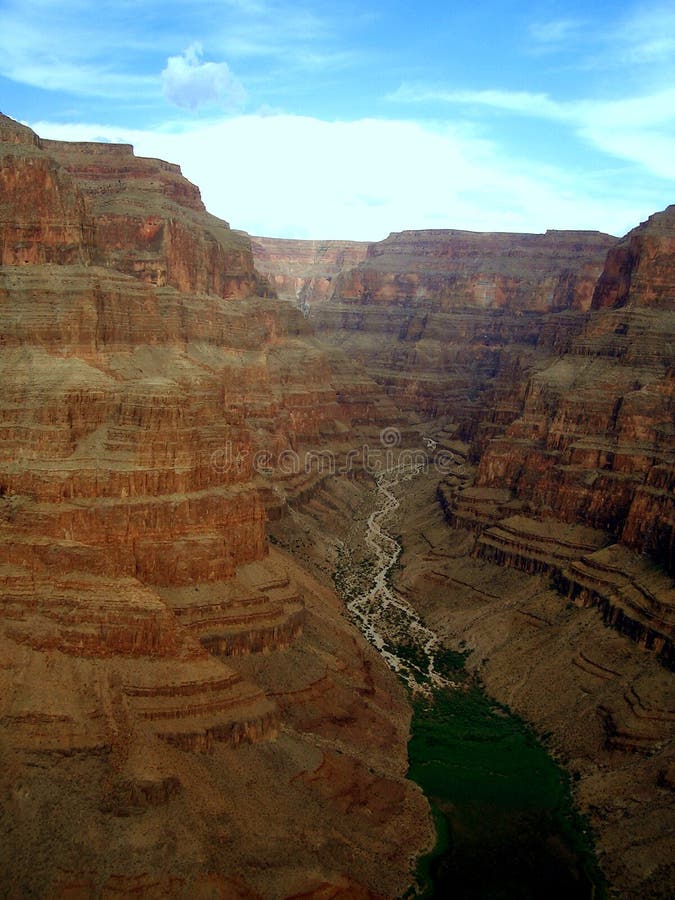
(640, 268)
(303, 271)
(552, 363)
(450, 322)
(142, 380)
(552, 271)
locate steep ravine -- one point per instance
(386, 619)
(598, 699)
(503, 810)
(603, 702)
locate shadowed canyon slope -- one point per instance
(141, 373)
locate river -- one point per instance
(387, 620)
(504, 814)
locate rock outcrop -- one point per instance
(144, 378)
(303, 271)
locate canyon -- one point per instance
(186, 706)
(545, 363)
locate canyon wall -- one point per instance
(303, 271)
(542, 366)
(450, 322)
(144, 374)
(195, 703)
(551, 356)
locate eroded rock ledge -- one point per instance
(143, 368)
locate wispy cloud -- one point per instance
(554, 34)
(645, 36)
(61, 47)
(523, 102)
(640, 129)
(117, 50)
(638, 36)
(189, 83)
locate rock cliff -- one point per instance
(185, 711)
(303, 271)
(144, 378)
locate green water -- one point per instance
(506, 826)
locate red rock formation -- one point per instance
(151, 223)
(303, 271)
(551, 357)
(142, 379)
(639, 270)
(593, 443)
(544, 272)
(549, 353)
(450, 322)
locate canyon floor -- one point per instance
(600, 704)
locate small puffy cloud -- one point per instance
(189, 83)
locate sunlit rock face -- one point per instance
(142, 371)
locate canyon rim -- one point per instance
(187, 708)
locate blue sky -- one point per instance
(351, 120)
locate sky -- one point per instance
(351, 120)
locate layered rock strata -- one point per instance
(601, 702)
(448, 322)
(551, 355)
(303, 271)
(143, 382)
(551, 377)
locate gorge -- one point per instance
(187, 707)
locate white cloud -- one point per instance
(189, 83)
(293, 176)
(640, 129)
(523, 102)
(114, 49)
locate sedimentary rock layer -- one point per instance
(144, 380)
(550, 354)
(303, 271)
(517, 596)
(550, 357)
